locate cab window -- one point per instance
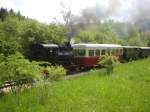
(91, 52)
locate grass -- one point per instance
(126, 90)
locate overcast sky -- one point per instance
(46, 10)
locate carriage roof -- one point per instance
(95, 46)
(136, 47)
(130, 47)
(145, 48)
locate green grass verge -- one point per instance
(127, 90)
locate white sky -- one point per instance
(46, 10)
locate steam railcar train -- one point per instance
(84, 55)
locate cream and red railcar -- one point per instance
(88, 55)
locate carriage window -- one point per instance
(109, 51)
(91, 52)
(117, 51)
(103, 52)
(97, 52)
(113, 51)
(81, 52)
(121, 51)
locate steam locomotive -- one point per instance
(53, 53)
(84, 55)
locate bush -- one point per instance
(108, 61)
(16, 68)
(54, 73)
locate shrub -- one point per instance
(108, 61)
(55, 73)
(18, 69)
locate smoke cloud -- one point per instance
(128, 10)
(141, 11)
(101, 11)
(113, 6)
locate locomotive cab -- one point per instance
(43, 52)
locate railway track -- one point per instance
(76, 74)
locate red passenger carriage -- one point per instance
(88, 55)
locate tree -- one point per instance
(9, 36)
(135, 38)
(3, 14)
(98, 34)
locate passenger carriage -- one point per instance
(145, 52)
(135, 52)
(131, 53)
(88, 55)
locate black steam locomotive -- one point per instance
(53, 53)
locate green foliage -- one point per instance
(113, 32)
(146, 37)
(2, 58)
(135, 38)
(8, 47)
(57, 33)
(108, 61)
(9, 36)
(16, 67)
(35, 32)
(55, 73)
